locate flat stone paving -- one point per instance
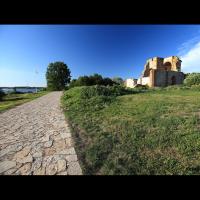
(35, 139)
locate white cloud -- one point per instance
(186, 46)
(189, 53)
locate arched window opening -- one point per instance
(168, 66)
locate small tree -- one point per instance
(192, 79)
(58, 76)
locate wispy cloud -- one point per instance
(189, 52)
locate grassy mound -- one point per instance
(135, 132)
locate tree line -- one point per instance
(58, 77)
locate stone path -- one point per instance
(35, 139)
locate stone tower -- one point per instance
(162, 72)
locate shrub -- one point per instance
(118, 90)
(2, 94)
(98, 90)
(96, 103)
(95, 79)
(92, 91)
(192, 79)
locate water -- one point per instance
(20, 90)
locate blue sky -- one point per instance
(110, 50)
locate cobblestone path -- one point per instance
(35, 139)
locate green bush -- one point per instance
(192, 79)
(99, 90)
(2, 94)
(95, 79)
(92, 91)
(118, 90)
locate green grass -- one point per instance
(155, 132)
(12, 100)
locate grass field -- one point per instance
(155, 132)
(12, 100)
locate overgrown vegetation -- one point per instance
(95, 79)
(192, 79)
(97, 90)
(136, 131)
(11, 100)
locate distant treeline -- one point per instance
(95, 79)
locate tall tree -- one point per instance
(58, 76)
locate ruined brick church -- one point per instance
(159, 72)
